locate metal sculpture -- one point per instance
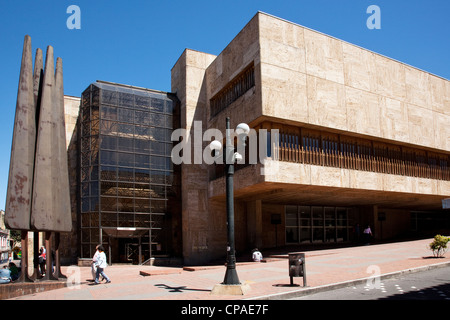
(38, 197)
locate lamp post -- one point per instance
(230, 157)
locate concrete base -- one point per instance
(84, 262)
(231, 289)
(11, 290)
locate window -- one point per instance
(316, 224)
(235, 89)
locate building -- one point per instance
(127, 183)
(363, 139)
(5, 247)
(353, 137)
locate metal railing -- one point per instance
(352, 155)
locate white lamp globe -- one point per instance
(215, 145)
(242, 128)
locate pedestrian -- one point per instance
(14, 271)
(101, 265)
(42, 260)
(367, 234)
(53, 260)
(93, 266)
(5, 275)
(257, 255)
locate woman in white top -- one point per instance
(101, 265)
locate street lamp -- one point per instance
(230, 157)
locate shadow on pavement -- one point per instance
(178, 289)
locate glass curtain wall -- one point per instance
(317, 224)
(127, 174)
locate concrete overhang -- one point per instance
(315, 185)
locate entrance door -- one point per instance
(127, 245)
(132, 252)
(129, 249)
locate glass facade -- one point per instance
(127, 176)
(317, 224)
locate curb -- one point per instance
(308, 291)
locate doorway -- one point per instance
(129, 250)
(126, 245)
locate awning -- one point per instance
(125, 232)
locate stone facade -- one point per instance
(307, 85)
(69, 241)
(188, 81)
(307, 80)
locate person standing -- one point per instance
(367, 234)
(42, 260)
(101, 265)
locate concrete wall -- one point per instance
(69, 241)
(305, 174)
(240, 53)
(71, 111)
(311, 79)
(308, 79)
(198, 225)
(315, 79)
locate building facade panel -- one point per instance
(359, 68)
(188, 82)
(442, 132)
(395, 119)
(417, 87)
(324, 57)
(363, 112)
(326, 103)
(342, 79)
(284, 93)
(390, 78)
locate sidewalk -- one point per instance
(325, 269)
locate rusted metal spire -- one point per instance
(20, 180)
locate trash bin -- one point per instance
(297, 267)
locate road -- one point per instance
(424, 285)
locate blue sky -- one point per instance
(137, 42)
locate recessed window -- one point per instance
(232, 91)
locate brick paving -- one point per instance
(267, 280)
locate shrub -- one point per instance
(439, 245)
